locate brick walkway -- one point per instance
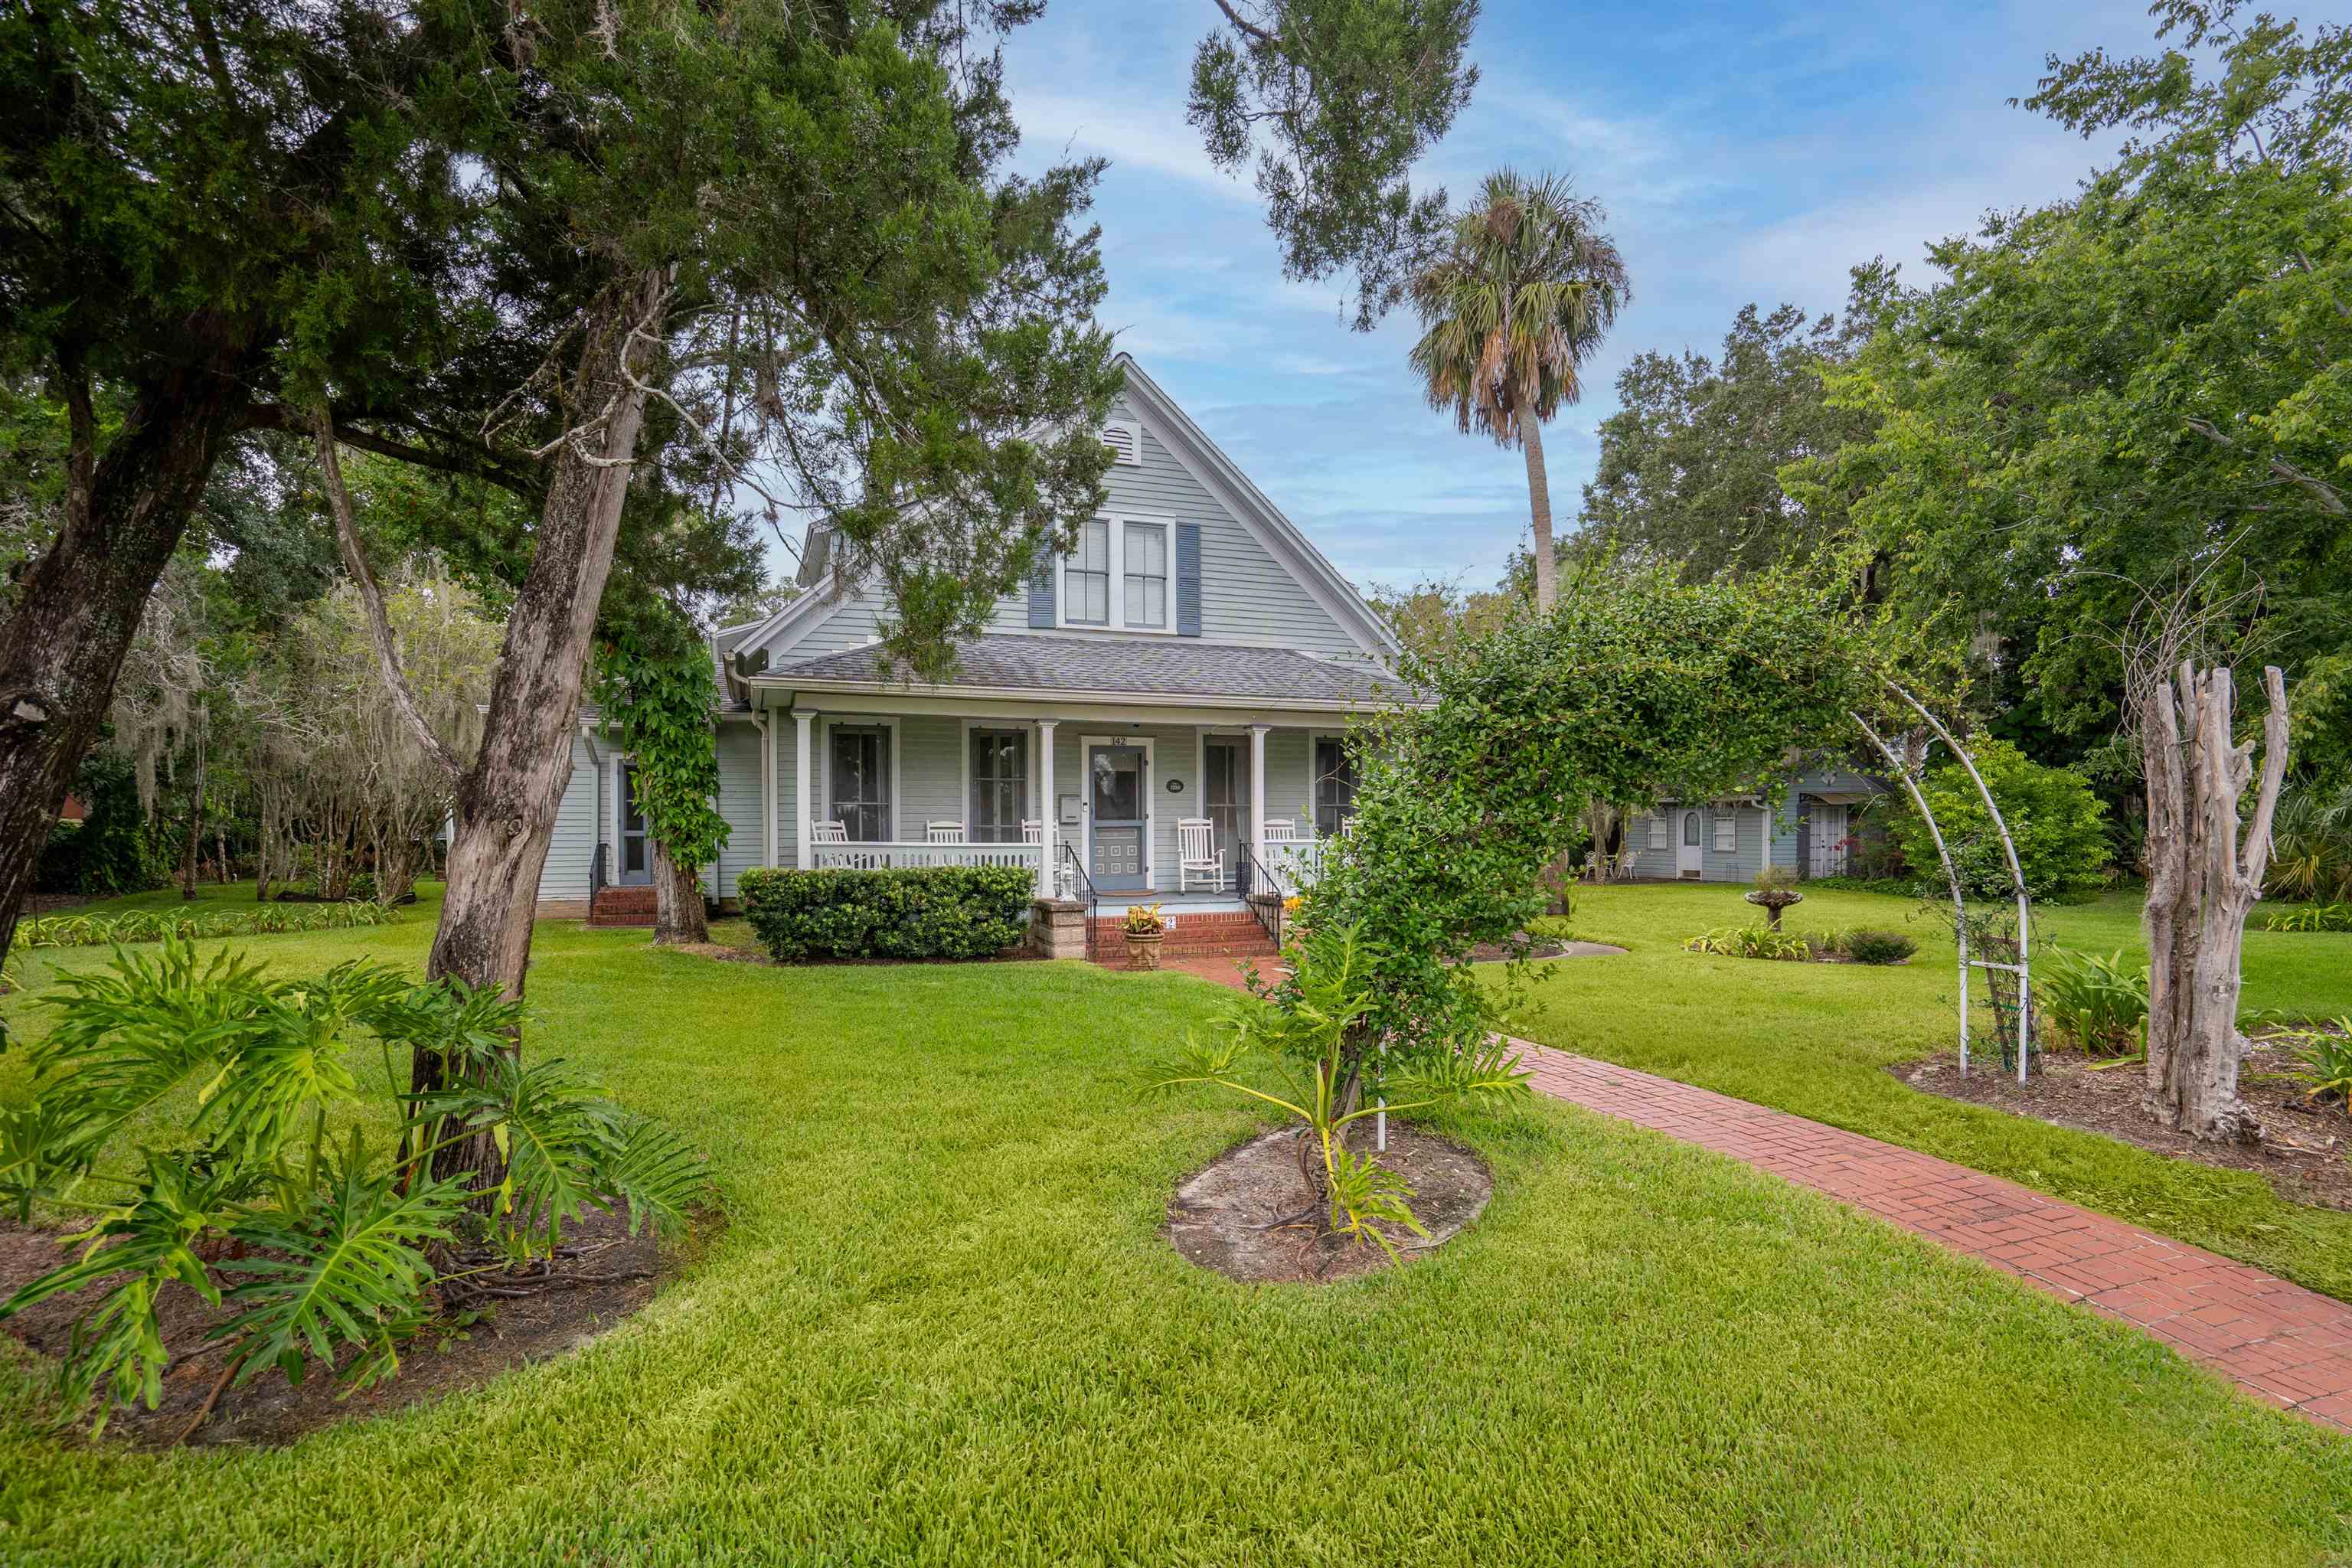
(2280, 1342)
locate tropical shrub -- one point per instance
(2098, 1003)
(2057, 822)
(934, 912)
(2311, 848)
(2311, 917)
(321, 1248)
(1878, 946)
(187, 925)
(1306, 1023)
(2323, 1061)
(1754, 942)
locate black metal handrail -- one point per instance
(1093, 900)
(596, 873)
(1251, 879)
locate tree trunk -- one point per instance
(679, 914)
(80, 605)
(506, 802)
(1540, 513)
(2203, 882)
(195, 830)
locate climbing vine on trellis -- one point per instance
(654, 682)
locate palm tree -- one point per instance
(1519, 298)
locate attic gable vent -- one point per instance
(1125, 439)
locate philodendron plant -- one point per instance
(1312, 1025)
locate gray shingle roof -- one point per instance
(1171, 667)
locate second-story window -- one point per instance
(1086, 581)
(1147, 573)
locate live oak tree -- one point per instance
(1690, 463)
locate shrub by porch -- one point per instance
(934, 912)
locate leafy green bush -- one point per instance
(2323, 1061)
(2098, 1002)
(2311, 917)
(2057, 822)
(1878, 946)
(939, 911)
(322, 1250)
(159, 925)
(1754, 942)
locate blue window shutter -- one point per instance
(1041, 596)
(1188, 579)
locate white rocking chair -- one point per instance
(1033, 830)
(1198, 859)
(1283, 827)
(943, 832)
(829, 833)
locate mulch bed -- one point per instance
(269, 1412)
(1215, 1216)
(2303, 1151)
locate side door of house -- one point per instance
(636, 868)
(1690, 855)
(1115, 824)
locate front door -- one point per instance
(1829, 840)
(1116, 796)
(636, 849)
(1689, 860)
(1221, 800)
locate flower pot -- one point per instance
(1143, 951)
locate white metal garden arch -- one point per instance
(2023, 968)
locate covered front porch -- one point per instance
(1196, 808)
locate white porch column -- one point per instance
(804, 769)
(767, 722)
(1049, 838)
(1258, 791)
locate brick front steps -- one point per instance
(1195, 936)
(621, 906)
(2280, 1342)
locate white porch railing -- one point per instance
(897, 857)
(1295, 864)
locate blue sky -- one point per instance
(1746, 151)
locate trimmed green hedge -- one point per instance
(943, 912)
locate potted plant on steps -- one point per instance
(1776, 890)
(1144, 929)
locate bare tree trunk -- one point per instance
(1540, 513)
(506, 801)
(80, 605)
(196, 829)
(2204, 881)
(679, 914)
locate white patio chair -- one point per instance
(943, 832)
(1198, 859)
(1033, 830)
(830, 833)
(1281, 827)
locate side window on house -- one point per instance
(1147, 573)
(1086, 581)
(1335, 785)
(1000, 785)
(861, 782)
(1727, 830)
(1657, 830)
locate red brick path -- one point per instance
(2279, 1341)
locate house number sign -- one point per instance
(1175, 787)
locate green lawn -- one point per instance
(1816, 1039)
(942, 1327)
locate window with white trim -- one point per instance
(1727, 830)
(1086, 579)
(1657, 830)
(1144, 546)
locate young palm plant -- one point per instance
(1311, 1026)
(1511, 310)
(249, 1181)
